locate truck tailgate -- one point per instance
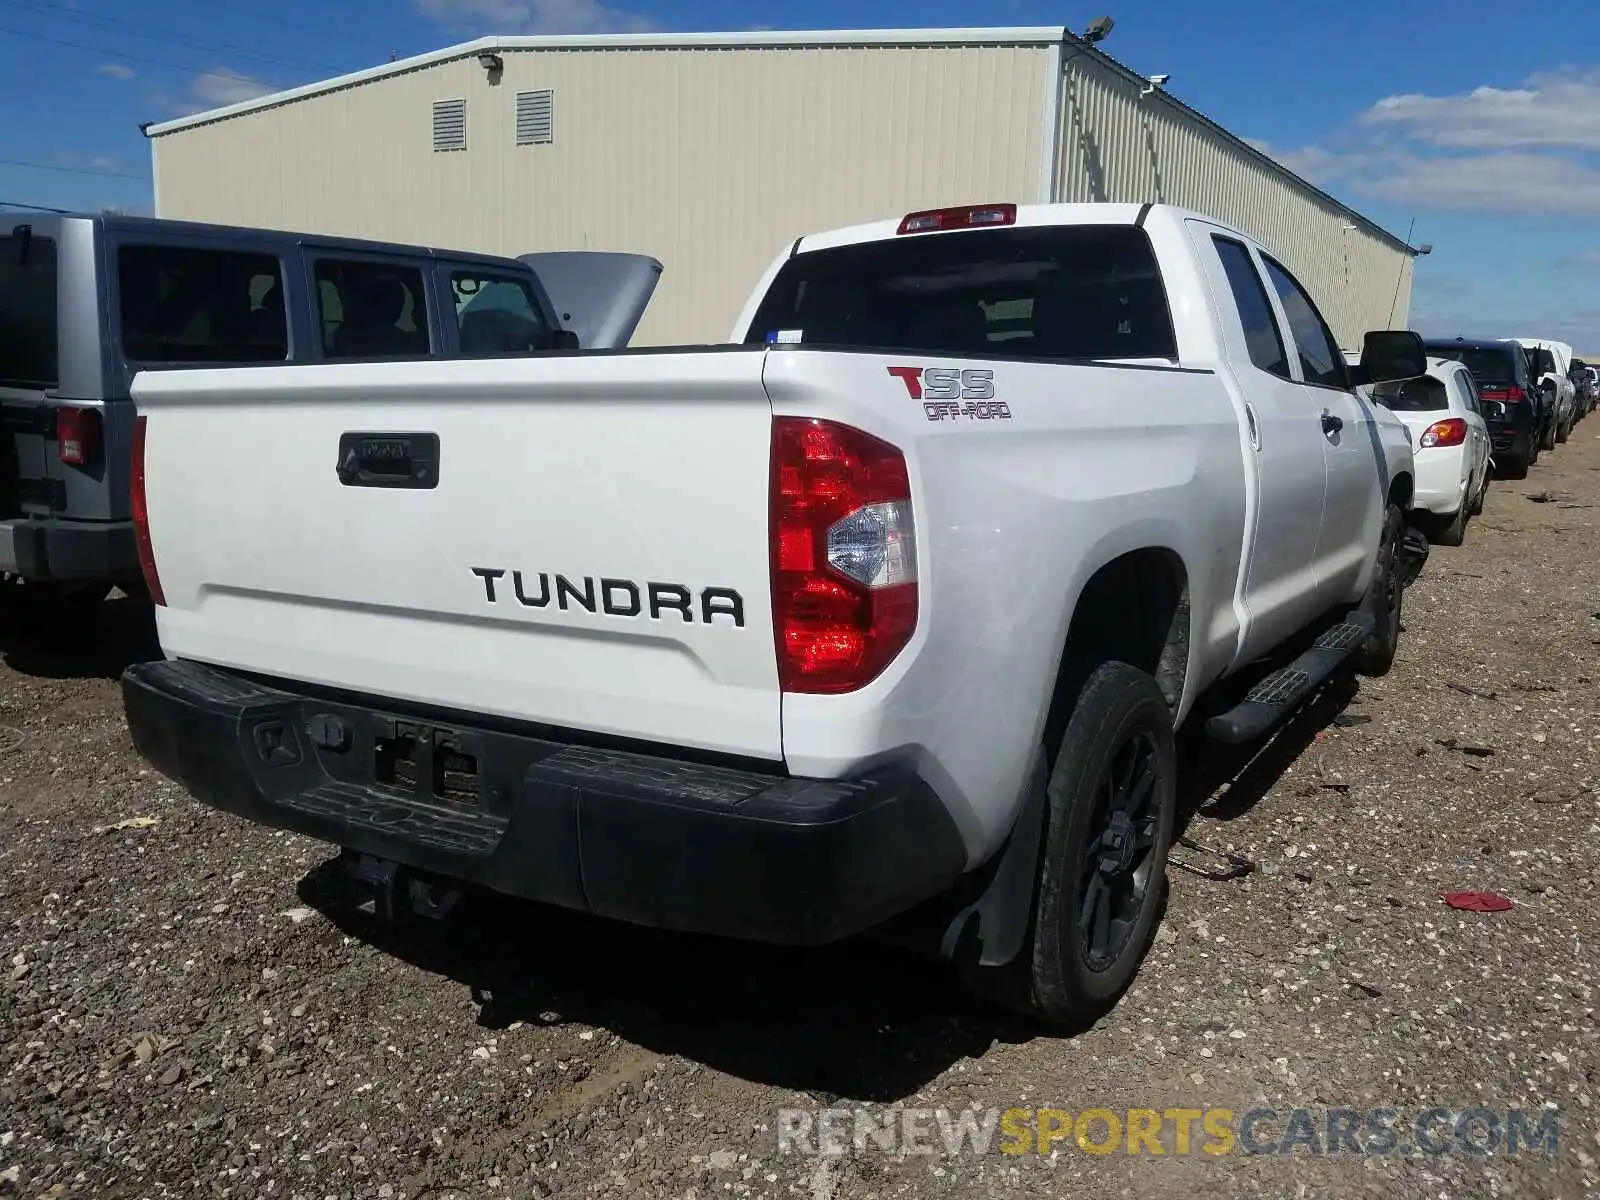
(587, 549)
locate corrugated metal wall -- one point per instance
(709, 159)
(1121, 147)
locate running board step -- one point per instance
(1280, 693)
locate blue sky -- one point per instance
(1484, 126)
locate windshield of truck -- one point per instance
(1423, 394)
(1058, 292)
(1491, 368)
(27, 311)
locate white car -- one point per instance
(1451, 441)
(1553, 364)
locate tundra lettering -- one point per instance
(615, 597)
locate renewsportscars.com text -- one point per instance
(1179, 1132)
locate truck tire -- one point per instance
(1383, 599)
(1110, 809)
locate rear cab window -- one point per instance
(28, 335)
(193, 304)
(496, 313)
(1047, 292)
(370, 309)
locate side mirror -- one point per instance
(563, 339)
(1391, 354)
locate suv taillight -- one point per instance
(141, 517)
(844, 555)
(78, 436)
(1508, 395)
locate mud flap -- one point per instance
(1412, 557)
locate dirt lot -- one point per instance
(185, 1011)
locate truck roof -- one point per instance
(1026, 215)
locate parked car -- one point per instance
(1553, 361)
(1584, 379)
(1441, 409)
(86, 302)
(894, 605)
(1510, 402)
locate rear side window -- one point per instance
(1320, 360)
(1073, 292)
(28, 311)
(497, 314)
(181, 304)
(1422, 394)
(371, 309)
(1261, 332)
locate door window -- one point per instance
(497, 314)
(191, 304)
(371, 309)
(1261, 333)
(1320, 360)
(27, 311)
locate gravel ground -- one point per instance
(186, 1009)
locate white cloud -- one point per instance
(535, 16)
(115, 70)
(220, 86)
(1552, 111)
(1502, 184)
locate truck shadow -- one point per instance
(855, 1021)
(102, 644)
(849, 1020)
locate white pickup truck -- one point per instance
(889, 609)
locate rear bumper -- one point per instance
(654, 841)
(1511, 443)
(47, 550)
(1438, 482)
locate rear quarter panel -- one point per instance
(1014, 514)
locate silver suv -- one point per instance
(87, 301)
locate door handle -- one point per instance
(1254, 427)
(389, 460)
(1331, 424)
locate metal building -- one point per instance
(712, 151)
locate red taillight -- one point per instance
(141, 517)
(1444, 433)
(78, 436)
(1510, 395)
(970, 216)
(844, 560)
